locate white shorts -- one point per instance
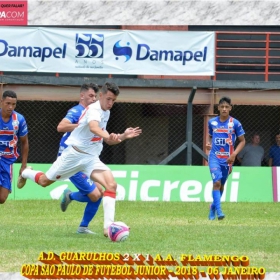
(71, 161)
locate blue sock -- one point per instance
(90, 212)
(217, 200)
(78, 196)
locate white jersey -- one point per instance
(81, 137)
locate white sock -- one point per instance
(30, 174)
(109, 205)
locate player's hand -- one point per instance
(113, 137)
(231, 159)
(208, 146)
(132, 132)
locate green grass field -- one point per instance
(251, 229)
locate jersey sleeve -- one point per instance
(23, 129)
(239, 131)
(73, 115)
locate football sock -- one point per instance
(109, 205)
(31, 174)
(217, 200)
(78, 196)
(90, 211)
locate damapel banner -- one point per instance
(69, 50)
(165, 183)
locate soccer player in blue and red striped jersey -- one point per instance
(223, 132)
(13, 128)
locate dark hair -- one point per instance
(225, 99)
(111, 87)
(86, 87)
(9, 93)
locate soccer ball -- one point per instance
(118, 231)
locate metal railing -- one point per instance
(247, 55)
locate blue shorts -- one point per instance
(219, 172)
(83, 183)
(6, 175)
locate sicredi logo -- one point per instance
(119, 50)
(89, 45)
(13, 12)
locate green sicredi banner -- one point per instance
(164, 183)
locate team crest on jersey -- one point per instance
(15, 124)
(214, 123)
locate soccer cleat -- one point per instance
(220, 215)
(22, 181)
(212, 214)
(85, 230)
(105, 232)
(65, 200)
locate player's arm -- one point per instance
(209, 143)
(270, 161)
(238, 149)
(24, 152)
(95, 129)
(66, 126)
(129, 133)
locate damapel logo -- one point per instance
(118, 50)
(157, 190)
(145, 52)
(31, 51)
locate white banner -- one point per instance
(90, 51)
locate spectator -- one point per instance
(274, 152)
(253, 153)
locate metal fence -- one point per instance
(164, 130)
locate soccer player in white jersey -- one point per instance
(82, 154)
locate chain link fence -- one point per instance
(164, 130)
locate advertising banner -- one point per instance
(165, 183)
(13, 12)
(73, 50)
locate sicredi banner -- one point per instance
(13, 12)
(165, 183)
(74, 50)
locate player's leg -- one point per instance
(64, 167)
(86, 188)
(6, 176)
(226, 170)
(106, 179)
(215, 172)
(217, 199)
(89, 213)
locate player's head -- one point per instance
(224, 106)
(9, 102)
(108, 95)
(88, 94)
